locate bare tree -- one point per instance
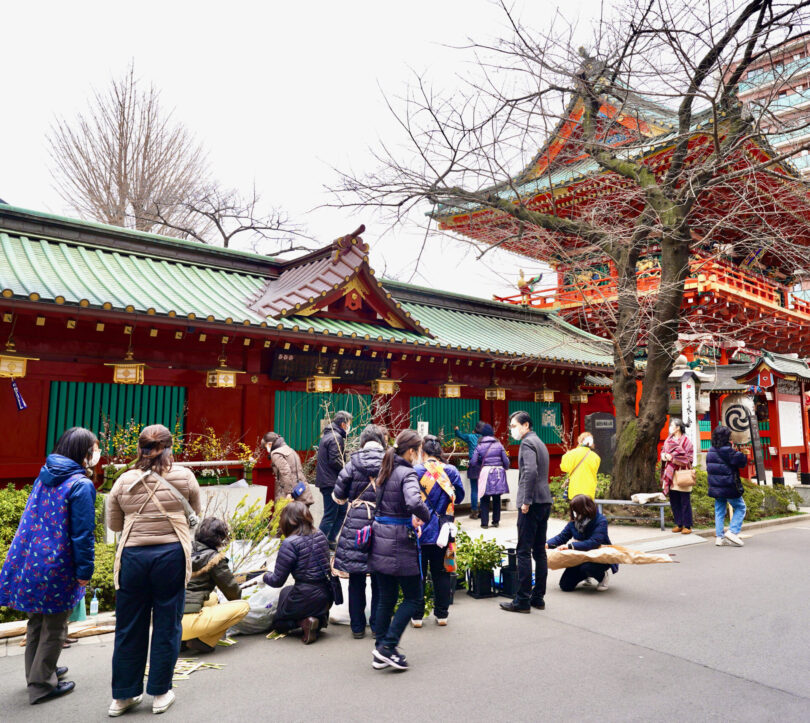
(649, 155)
(117, 160)
(212, 214)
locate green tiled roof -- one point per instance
(101, 275)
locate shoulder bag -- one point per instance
(571, 474)
(684, 479)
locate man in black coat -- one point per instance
(331, 461)
(534, 507)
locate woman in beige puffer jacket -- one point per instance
(152, 567)
(287, 468)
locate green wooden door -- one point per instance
(546, 417)
(442, 415)
(298, 415)
(84, 404)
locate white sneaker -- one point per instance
(119, 707)
(602, 586)
(442, 622)
(416, 623)
(588, 582)
(734, 539)
(719, 541)
(162, 703)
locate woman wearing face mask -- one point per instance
(287, 468)
(581, 465)
(51, 558)
(677, 454)
(394, 555)
(587, 530)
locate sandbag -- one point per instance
(263, 604)
(606, 555)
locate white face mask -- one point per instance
(95, 459)
(516, 432)
(269, 448)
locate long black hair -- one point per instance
(406, 439)
(77, 444)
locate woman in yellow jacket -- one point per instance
(581, 464)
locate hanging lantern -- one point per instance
(222, 377)
(545, 395)
(128, 371)
(383, 385)
(579, 398)
(13, 364)
(494, 392)
(319, 381)
(450, 389)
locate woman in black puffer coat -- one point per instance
(304, 554)
(355, 486)
(394, 552)
(723, 464)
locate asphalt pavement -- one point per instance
(723, 635)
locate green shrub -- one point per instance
(12, 506)
(559, 505)
(102, 579)
(477, 554)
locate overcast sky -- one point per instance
(279, 93)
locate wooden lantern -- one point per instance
(222, 377)
(383, 385)
(494, 392)
(13, 364)
(128, 371)
(545, 395)
(319, 382)
(450, 389)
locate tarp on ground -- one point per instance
(606, 555)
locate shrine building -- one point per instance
(104, 323)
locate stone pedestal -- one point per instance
(804, 493)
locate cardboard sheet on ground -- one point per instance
(607, 555)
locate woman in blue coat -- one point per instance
(51, 558)
(723, 465)
(394, 555)
(587, 530)
(442, 488)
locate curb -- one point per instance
(759, 524)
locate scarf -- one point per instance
(581, 524)
(435, 474)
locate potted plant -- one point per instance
(478, 559)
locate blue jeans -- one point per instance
(737, 505)
(152, 587)
(333, 515)
(389, 631)
(357, 601)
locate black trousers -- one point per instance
(532, 544)
(44, 638)
(152, 589)
(390, 625)
(681, 504)
(357, 601)
(496, 509)
(433, 556)
(302, 600)
(572, 576)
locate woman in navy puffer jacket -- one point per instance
(394, 553)
(355, 486)
(304, 554)
(723, 465)
(587, 530)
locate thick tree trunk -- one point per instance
(638, 433)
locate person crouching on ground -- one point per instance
(355, 487)
(304, 554)
(587, 530)
(723, 465)
(51, 559)
(442, 488)
(394, 547)
(205, 621)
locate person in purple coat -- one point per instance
(491, 459)
(394, 555)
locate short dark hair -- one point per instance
(479, 427)
(522, 418)
(584, 506)
(486, 430)
(373, 433)
(213, 532)
(76, 444)
(721, 436)
(296, 519)
(432, 447)
(342, 417)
